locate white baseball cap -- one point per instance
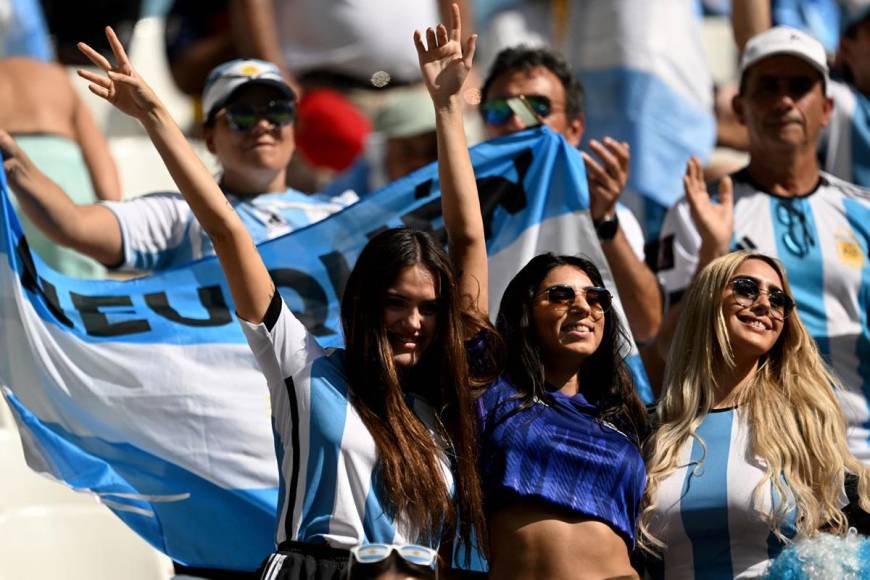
(227, 78)
(784, 40)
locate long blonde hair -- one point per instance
(804, 450)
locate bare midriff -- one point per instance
(533, 541)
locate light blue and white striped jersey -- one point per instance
(845, 143)
(159, 230)
(822, 238)
(326, 455)
(705, 510)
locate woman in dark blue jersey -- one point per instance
(562, 472)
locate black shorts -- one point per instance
(300, 560)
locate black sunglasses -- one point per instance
(243, 117)
(598, 299)
(499, 111)
(746, 292)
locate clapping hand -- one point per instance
(443, 63)
(122, 86)
(714, 221)
(608, 177)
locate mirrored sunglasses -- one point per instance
(500, 110)
(747, 291)
(411, 553)
(598, 299)
(243, 116)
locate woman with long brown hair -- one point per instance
(376, 442)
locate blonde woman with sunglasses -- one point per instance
(751, 448)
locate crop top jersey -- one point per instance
(561, 454)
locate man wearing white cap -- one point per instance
(781, 204)
(249, 111)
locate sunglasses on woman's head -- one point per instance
(499, 111)
(243, 116)
(412, 553)
(747, 291)
(598, 299)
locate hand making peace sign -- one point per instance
(122, 86)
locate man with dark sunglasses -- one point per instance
(249, 111)
(529, 86)
(783, 205)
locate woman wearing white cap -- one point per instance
(249, 111)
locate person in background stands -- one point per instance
(845, 145)
(249, 128)
(56, 130)
(543, 78)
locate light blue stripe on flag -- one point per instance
(119, 473)
(663, 127)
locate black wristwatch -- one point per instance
(606, 227)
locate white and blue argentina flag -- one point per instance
(145, 392)
(647, 82)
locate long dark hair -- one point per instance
(604, 376)
(410, 475)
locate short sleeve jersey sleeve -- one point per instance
(632, 230)
(156, 231)
(678, 247)
(281, 344)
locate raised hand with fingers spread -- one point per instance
(122, 86)
(443, 62)
(714, 221)
(445, 66)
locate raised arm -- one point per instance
(715, 225)
(748, 18)
(445, 67)
(249, 281)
